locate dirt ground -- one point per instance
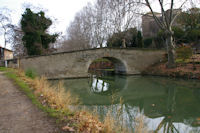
(18, 114)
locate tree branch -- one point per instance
(160, 24)
(164, 14)
(172, 21)
(171, 11)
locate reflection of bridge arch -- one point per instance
(107, 85)
(99, 86)
(119, 65)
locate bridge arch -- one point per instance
(75, 64)
(119, 65)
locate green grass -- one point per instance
(31, 73)
(109, 70)
(181, 61)
(3, 68)
(10, 73)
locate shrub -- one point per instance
(147, 42)
(184, 53)
(31, 73)
(140, 42)
(193, 35)
(178, 34)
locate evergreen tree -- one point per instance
(36, 39)
(140, 43)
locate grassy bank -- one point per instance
(23, 86)
(54, 100)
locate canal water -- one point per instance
(165, 103)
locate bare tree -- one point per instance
(94, 24)
(100, 22)
(16, 42)
(79, 32)
(169, 15)
(111, 16)
(5, 24)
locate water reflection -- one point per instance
(99, 86)
(169, 105)
(107, 85)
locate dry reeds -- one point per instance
(140, 126)
(56, 97)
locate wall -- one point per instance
(13, 63)
(149, 26)
(76, 64)
(2, 63)
(8, 54)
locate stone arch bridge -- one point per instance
(75, 64)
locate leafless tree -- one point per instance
(169, 10)
(16, 41)
(113, 16)
(79, 31)
(5, 24)
(94, 24)
(122, 14)
(100, 22)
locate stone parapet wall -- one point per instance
(76, 63)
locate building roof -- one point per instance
(6, 49)
(150, 13)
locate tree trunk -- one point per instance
(123, 43)
(170, 51)
(101, 46)
(5, 41)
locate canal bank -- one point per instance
(18, 114)
(187, 67)
(57, 103)
(156, 99)
(186, 71)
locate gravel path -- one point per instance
(18, 114)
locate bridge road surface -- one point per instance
(18, 114)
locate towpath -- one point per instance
(18, 114)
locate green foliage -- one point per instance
(190, 22)
(31, 73)
(190, 19)
(183, 53)
(36, 39)
(115, 40)
(160, 39)
(3, 68)
(148, 42)
(140, 42)
(193, 35)
(187, 30)
(179, 34)
(133, 38)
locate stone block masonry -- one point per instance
(75, 64)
